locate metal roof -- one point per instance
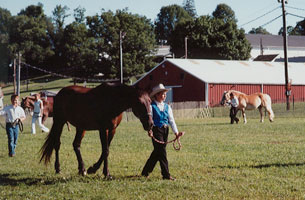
(241, 72)
(275, 40)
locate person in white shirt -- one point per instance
(162, 115)
(234, 108)
(1, 99)
(13, 114)
(37, 114)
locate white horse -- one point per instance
(250, 102)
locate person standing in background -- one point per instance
(1, 99)
(37, 115)
(233, 111)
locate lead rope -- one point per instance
(19, 123)
(177, 139)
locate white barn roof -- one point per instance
(241, 72)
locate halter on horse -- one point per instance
(250, 102)
(100, 108)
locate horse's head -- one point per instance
(27, 103)
(225, 98)
(141, 109)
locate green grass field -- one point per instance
(217, 161)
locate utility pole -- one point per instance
(287, 85)
(18, 73)
(122, 35)
(185, 45)
(14, 75)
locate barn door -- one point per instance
(169, 95)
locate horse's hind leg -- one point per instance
(44, 117)
(260, 108)
(57, 127)
(270, 113)
(76, 145)
(244, 115)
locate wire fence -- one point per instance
(195, 110)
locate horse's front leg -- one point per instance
(76, 145)
(105, 139)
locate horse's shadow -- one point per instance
(261, 166)
(6, 179)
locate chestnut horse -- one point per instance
(27, 103)
(100, 108)
(250, 102)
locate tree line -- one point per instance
(91, 44)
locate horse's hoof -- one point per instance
(109, 177)
(83, 173)
(57, 172)
(91, 170)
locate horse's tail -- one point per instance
(53, 139)
(48, 146)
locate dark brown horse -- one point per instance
(100, 108)
(27, 103)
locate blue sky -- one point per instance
(245, 10)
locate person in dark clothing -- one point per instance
(162, 115)
(234, 108)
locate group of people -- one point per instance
(161, 113)
(15, 115)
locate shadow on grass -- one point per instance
(205, 124)
(261, 166)
(9, 179)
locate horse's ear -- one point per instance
(146, 89)
(137, 87)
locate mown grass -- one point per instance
(217, 161)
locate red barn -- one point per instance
(206, 80)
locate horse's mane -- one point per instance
(117, 89)
(236, 92)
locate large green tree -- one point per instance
(79, 50)
(224, 12)
(189, 6)
(28, 35)
(55, 30)
(138, 42)
(210, 38)
(168, 18)
(5, 18)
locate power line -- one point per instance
(295, 8)
(296, 15)
(261, 16)
(271, 21)
(65, 76)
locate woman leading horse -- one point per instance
(100, 108)
(250, 102)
